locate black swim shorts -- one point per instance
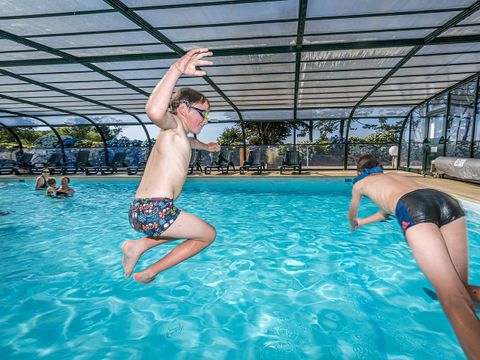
(427, 206)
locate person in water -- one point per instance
(65, 189)
(52, 187)
(435, 228)
(153, 211)
(41, 181)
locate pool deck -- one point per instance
(459, 189)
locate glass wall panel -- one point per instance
(476, 137)
(405, 145)
(8, 145)
(460, 120)
(373, 136)
(128, 140)
(439, 102)
(418, 135)
(82, 137)
(43, 145)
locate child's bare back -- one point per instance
(385, 189)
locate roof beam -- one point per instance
(302, 14)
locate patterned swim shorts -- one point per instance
(152, 216)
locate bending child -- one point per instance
(435, 228)
(153, 211)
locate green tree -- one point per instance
(267, 133)
(90, 132)
(382, 130)
(230, 136)
(28, 136)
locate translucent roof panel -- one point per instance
(26, 55)
(386, 111)
(66, 77)
(114, 119)
(320, 38)
(11, 46)
(102, 39)
(377, 23)
(333, 113)
(32, 7)
(235, 33)
(65, 120)
(117, 50)
(208, 15)
(19, 121)
(66, 24)
(352, 7)
(46, 69)
(462, 30)
(268, 115)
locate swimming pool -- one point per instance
(285, 278)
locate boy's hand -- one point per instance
(189, 62)
(354, 224)
(213, 147)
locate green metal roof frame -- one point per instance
(217, 81)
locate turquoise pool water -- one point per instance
(285, 279)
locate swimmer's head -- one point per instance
(51, 181)
(65, 181)
(192, 108)
(367, 162)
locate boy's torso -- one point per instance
(167, 166)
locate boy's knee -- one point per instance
(211, 234)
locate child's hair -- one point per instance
(51, 181)
(186, 95)
(66, 177)
(367, 162)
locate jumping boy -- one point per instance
(153, 211)
(435, 228)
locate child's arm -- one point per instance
(196, 144)
(378, 216)
(159, 100)
(353, 211)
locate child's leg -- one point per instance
(455, 235)
(199, 235)
(133, 249)
(431, 253)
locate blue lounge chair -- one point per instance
(254, 162)
(291, 161)
(222, 163)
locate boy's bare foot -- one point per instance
(132, 251)
(143, 277)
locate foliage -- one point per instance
(85, 143)
(90, 132)
(266, 133)
(49, 141)
(230, 137)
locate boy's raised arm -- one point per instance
(159, 100)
